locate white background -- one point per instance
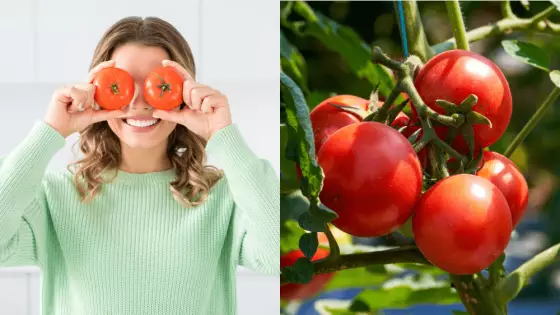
(49, 43)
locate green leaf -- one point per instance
(301, 145)
(325, 213)
(347, 43)
(288, 176)
(357, 278)
(308, 243)
(407, 291)
(555, 77)
(311, 223)
(292, 205)
(292, 63)
(290, 233)
(528, 53)
(300, 272)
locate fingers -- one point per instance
(172, 115)
(93, 72)
(75, 97)
(94, 116)
(186, 75)
(197, 95)
(213, 101)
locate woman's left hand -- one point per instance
(207, 109)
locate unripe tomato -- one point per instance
(503, 173)
(297, 291)
(455, 74)
(462, 224)
(372, 178)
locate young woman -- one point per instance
(139, 225)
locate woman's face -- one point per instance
(140, 129)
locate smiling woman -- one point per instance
(140, 224)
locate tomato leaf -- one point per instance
(406, 291)
(288, 175)
(301, 146)
(292, 63)
(308, 243)
(290, 233)
(311, 222)
(346, 42)
(555, 77)
(300, 272)
(358, 278)
(528, 53)
(292, 205)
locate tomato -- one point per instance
(455, 74)
(114, 88)
(297, 291)
(372, 178)
(326, 119)
(462, 224)
(503, 173)
(163, 88)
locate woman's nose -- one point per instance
(138, 102)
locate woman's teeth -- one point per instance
(141, 123)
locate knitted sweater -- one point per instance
(134, 249)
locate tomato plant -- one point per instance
(163, 88)
(114, 88)
(503, 173)
(294, 291)
(455, 74)
(462, 224)
(372, 180)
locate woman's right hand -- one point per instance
(72, 107)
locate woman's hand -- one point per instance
(207, 109)
(72, 107)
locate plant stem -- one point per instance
(532, 122)
(334, 250)
(511, 285)
(457, 23)
(502, 27)
(405, 254)
(506, 9)
(417, 41)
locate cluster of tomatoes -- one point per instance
(373, 178)
(115, 88)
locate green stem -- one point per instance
(417, 40)
(405, 254)
(457, 24)
(511, 285)
(506, 25)
(334, 250)
(506, 9)
(532, 122)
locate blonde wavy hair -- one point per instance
(186, 151)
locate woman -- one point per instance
(139, 225)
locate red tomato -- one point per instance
(114, 88)
(453, 75)
(372, 178)
(503, 173)
(163, 88)
(326, 119)
(462, 224)
(297, 291)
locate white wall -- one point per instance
(48, 43)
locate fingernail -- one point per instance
(81, 107)
(155, 115)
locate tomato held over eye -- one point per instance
(503, 173)
(462, 224)
(114, 88)
(299, 291)
(163, 88)
(455, 74)
(372, 180)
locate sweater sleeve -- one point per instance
(22, 201)
(255, 189)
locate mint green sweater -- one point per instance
(134, 249)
